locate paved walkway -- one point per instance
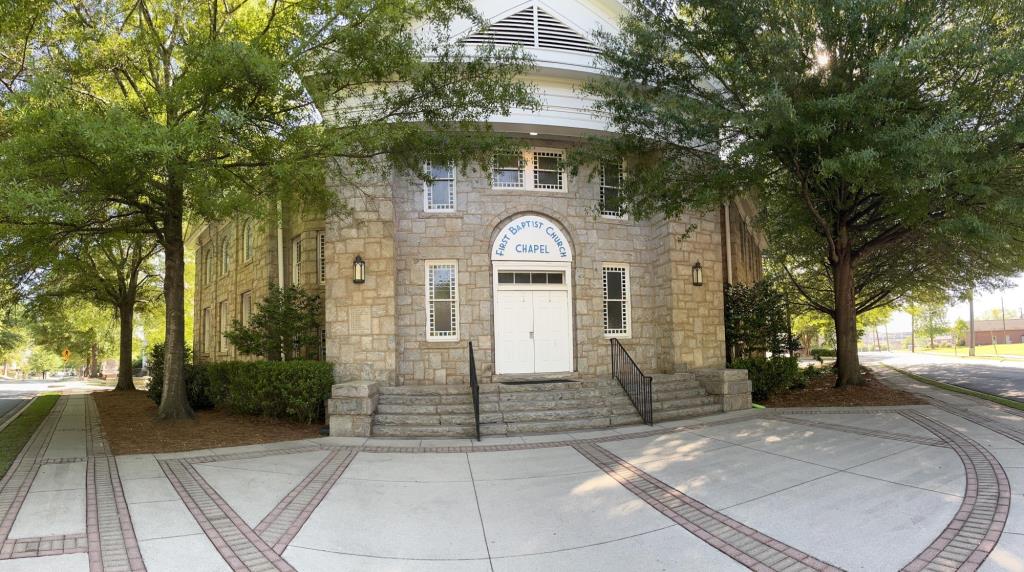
(930, 487)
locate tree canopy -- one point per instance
(883, 141)
(138, 116)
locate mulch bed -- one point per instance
(131, 426)
(821, 392)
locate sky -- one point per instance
(1013, 298)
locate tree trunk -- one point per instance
(174, 402)
(124, 367)
(847, 361)
(94, 358)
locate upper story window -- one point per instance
(439, 193)
(508, 171)
(225, 255)
(247, 242)
(321, 256)
(535, 169)
(208, 266)
(611, 189)
(296, 260)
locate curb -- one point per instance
(14, 413)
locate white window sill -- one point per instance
(530, 189)
(435, 339)
(625, 336)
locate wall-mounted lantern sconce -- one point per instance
(698, 275)
(358, 270)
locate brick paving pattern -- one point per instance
(974, 531)
(743, 544)
(286, 519)
(237, 543)
(112, 543)
(46, 546)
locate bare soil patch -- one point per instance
(131, 426)
(821, 392)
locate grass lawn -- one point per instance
(15, 435)
(1002, 350)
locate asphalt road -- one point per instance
(1005, 379)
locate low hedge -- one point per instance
(769, 376)
(294, 390)
(818, 353)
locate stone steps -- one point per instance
(583, 404)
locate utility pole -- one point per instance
(1002, 305)
(912, 333)
(970, 306)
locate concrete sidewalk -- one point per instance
(934, 486)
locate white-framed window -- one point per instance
(222, 316)
(611, 189)
(442, 300)
(439, 194)
(508, 171)
(209, 266)
(247, 241)
(616, 300)
(538, 169)
(547, 170)
(246, 305)
(296, 260)
(321, 257)
(225, 255)
(206, 333)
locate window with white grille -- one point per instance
(296, 260)
(616, 300)
(611, 189)
(508, 171)
(547, 170)
(321, 256)
(439, 192)
(535, 169)
(442, 300)
(533, 27)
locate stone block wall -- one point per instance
(224, 290)
(360, 318)
(377, 331)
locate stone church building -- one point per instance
(534, 266)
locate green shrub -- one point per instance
(770, 376)
(293, 390)
(196, 384)
(818, 353)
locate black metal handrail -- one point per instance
(474, 387)
(638, 387)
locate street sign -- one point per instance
(66, 354)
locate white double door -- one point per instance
(532, 331)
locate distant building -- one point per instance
(1010, 333)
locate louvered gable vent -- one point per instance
(532, 27)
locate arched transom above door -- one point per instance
(532, 238)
